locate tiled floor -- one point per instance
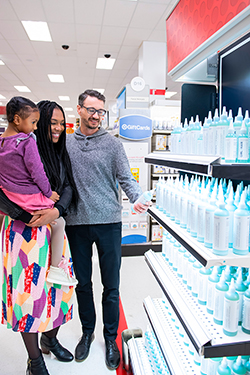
(137, 282)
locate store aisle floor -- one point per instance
(137, 282)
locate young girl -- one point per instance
(23, 179)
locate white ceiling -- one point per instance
(91, 28)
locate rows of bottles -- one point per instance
(219, 135)
(223, 291)
(209, 210)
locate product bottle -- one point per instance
(200, 142)
(213, 365)
(195, 132)
(238, 368)
(242, 145)
(183, 139)
(241, 227)
(222, 129)
(240, 288)
(246, 312)
(231, 145)
(206, 125)
(230, 207)
(213, 279)
(202, 204)
(209, 220)
(195, 281)
(231, 311)
(190, 271)
(238, 121)
(158, 191)
(220, 290)
(144, 198)
(194, 210)
(221, 227)
(202, 285)
(223, 368)
(247, 367)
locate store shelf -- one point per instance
(138, 357)
(197, 249)
(165, 174)
(207, 337)
(162, 131)
(173, 351)
(200, 164)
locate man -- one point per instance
(98, 162)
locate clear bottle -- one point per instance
(203, 282)
(238, 121)
(209, 220)
(144, 198)
(220, 290)
(241, 227)
(221, 227)
(206, 125)
(240, 288)
(222, 130)
(231, 311)
(231, 145)
(195, 132)
(242, 145)
(213, 279)
(246, 312)
(230, 207)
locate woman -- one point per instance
(30, 304)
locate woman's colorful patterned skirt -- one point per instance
(29, 303)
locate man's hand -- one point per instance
(140, 208)
(44, 217)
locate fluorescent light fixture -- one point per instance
(103, 63)
(71, 116)
(37, 31)
(56, 78)
(101, 91)
(1, 62)
(169, 94)
(2, 97)
(64, 98)
(68, 109)
(22, 88)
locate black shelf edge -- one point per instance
(202, 260)
(129, 250)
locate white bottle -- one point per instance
(242, 150)
(220, 290)
(231, 311)
(206, 125)
(230, 206)
(144, 198)
(231, 145)
(213, 279)
(241, 227)
(246, 312)
(221, 227)
(209, 220)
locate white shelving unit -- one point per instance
(205, 337)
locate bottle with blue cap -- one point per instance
(241, 227)
(222, 129)
(238, 121)
(231, 141)
(206, 124)
(230, 207)
(240, 288)
(231, 311)
(220, 290)
(223, 368)
(242, 145)
(246, 312)
(209, 219)
(238, 367)
(221, 226)
(144, 198)
(213, 279)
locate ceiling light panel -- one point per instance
(64, 98)
(1, 62)
(22, 88)
(37, 31)
(56, 78)
(103, 63)
(2, 97)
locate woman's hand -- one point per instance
(44, 217)
(140, 208)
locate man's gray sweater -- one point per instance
(99, 161)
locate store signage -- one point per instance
(141, 99)
(135, 127)
(137, 84)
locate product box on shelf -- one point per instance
(159, 142)
(156, 232)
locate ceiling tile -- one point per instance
(89, 12)
(59, 11)
(112, 35)
(13, 30)
(88, 50)
(63, 33)
(127, 52)
(134, 37)
(123, 11)
(147, 15)
(7, 11)
(87, 33)
(28, 10)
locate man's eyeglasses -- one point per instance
(92, 111)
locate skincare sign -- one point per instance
(135, 127)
